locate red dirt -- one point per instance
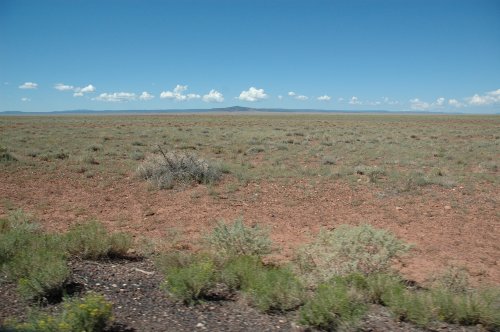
(459, 226)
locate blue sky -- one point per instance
(436, 55)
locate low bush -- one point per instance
(33, 259)
(165, 170)
(274, 289)
(6, 156)
(92, 241)
(190, 281)
(347, 250)
(89, 314)
(470, 308)
(237, 239)
(334, 306)
(238, 272)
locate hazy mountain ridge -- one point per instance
(231, 109)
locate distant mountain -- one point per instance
(231, 109)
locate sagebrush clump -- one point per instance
(237, 239)
(166, 170)
(363, 249)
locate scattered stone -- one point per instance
(447, 207)
(399, 208)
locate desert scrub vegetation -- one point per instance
(89, 314)
(336, 305)
(6, 156)
(346, 250)
(194, 278)
(31, 258)
(165, 170)
(37, 261)
(92, 241)
(238, 239)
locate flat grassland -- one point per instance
(432, 180)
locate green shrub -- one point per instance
(92, 241)
(348, 249)
(471, 308)
(274, 289)
(35, 260)
(165, 170)
(191, 281)
(415, 307)
(237, 239)
(381, 285)
(6, 156)
(41, 269)
(90, 314)
(238, 272)
(334, 306)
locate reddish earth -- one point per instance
(458, 226)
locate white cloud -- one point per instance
(87, 89)
(440, 102)
(298, 97)
(455, 103)
(280, 97)
(146, 96)
(324, 98)
(213, 96)
(63, 87)
(78, 91)
(116, 97)
(419, 105)
(354, 101)
(180, 88)
(177, 94)
(252, 94)
(492, 97)
(25, 99)
(28, 85)
(389, 101)
(341, 99)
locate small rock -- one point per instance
(399, 208)
(114, 285)
(200, 325)
(447, 207)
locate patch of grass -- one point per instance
(274, 289)
(334, 306)
(348, 249)
(189, 278)
(165, 170)
(90, 314)
(237, 239)
(92, 241)
(33, 259)
(6, 156)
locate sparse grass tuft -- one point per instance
(166, 170)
